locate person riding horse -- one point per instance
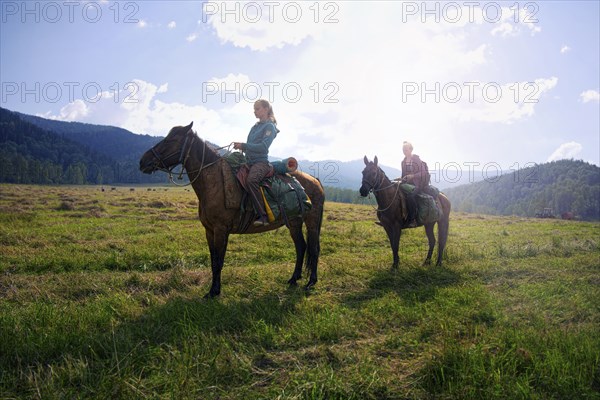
(257, 153)
(414, 172)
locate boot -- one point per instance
(261, 221)
(412, 212)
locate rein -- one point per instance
(183, 159)
(375, 189)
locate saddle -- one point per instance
(429, 208)
(283, 195)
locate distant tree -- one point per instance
(565, 185)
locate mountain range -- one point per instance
(42, 151)
(118, 148)
(116, 143)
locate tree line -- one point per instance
(32, 155)
(350, 196)
(564, 186)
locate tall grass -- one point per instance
(103, 299)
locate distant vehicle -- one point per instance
(546, 213)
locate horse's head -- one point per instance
(371, 176)
(169, 152)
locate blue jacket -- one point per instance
(259, 139)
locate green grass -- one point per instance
(101, 297)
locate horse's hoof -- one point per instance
(293, 280)
(309, 286)
(211, 295)
(426, 262)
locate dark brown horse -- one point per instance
(390, 211)
(205, 171)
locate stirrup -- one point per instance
(261, 221)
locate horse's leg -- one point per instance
(313, 250)
(393, 231)
(431, 240)
(443, 227)
(300, 243)
(215, 287)
(217, 244)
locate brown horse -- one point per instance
(390, 199)
(205, 171)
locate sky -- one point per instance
(472, 85)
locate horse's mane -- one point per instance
(383, 172)
(380, 170)
(210, 146)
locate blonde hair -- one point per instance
(265, 103)
(407, 144)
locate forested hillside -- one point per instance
(564, 185)
(30, 154)
(116, 143)
(350, 196)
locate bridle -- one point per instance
(374, 187)
(377, 187)
(184, 155)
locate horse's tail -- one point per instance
(322, 207)
(444, 222)
(314, 237)
(445, 202)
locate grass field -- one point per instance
(101, 297)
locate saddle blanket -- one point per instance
(428, 208)
(283, 195)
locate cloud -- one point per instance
(590, 95)
(505, 19)
(231, 81)
(527, 17)
(351, 81)
(504, 29)
(566, 150)
(138, 108)
(142, 23)
(74, 111)
(358, 79)
(172, 25)
(505, 103)
(231, 88)
(263, 25)
(190, 38)
(163, 88)
(564, 49)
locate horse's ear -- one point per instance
(375, 160)
(187, 128)
(366, 160)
